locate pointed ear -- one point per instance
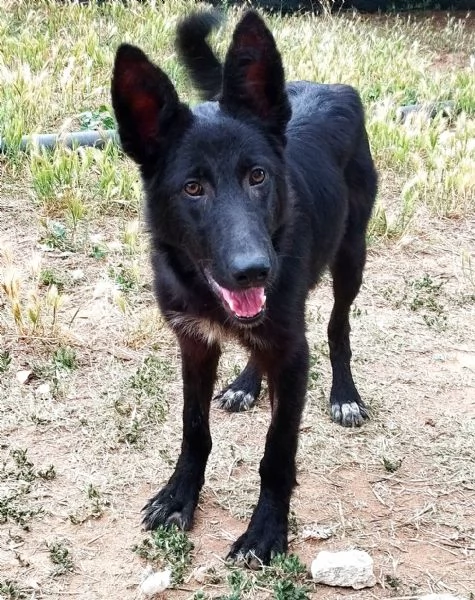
(146, 105)
(253, 78)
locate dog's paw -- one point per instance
(171, 506)
(258, 545)
(235, 400)
(349, 414)
(242, 393)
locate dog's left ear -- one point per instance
(253, 77)
(146, 105)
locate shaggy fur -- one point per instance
(250, 195)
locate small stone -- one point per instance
(318, 532)
(77, 274)
(348, 568)
(43, 390)
(32, 584)
(24, 376)
(155, 583)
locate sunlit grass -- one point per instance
(56, 60)
(32, 306)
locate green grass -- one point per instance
(65, 358)
(60, 556)
(286, 578)
(11, 590)
(5, 361)
(141, 400)
(49, 277)
(167, 547)
(19, 481)
(424, 298)
(392, 63)
(100, 118)
(93, 507)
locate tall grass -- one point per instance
(56, 59)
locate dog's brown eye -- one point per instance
(257, 176)
(193, 188)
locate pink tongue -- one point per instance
(245, 303)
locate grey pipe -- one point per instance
(98, 139)
(429, 110)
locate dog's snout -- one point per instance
(249, 270)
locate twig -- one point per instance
(460, 546)
(94, 539)
(438, 546)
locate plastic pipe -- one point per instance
(98, 139)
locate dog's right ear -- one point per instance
(253, 77)
(146, 105)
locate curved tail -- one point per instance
(204, 68)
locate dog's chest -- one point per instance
(211, 332)
(197, 327)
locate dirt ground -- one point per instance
(402, 487)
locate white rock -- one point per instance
(43, 389)
(349, 568)
(32, 584)
(77, 274)
(156, 583)
(24, 376)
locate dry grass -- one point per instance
(89, 376)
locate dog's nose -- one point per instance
(250, 271)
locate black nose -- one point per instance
(249, 270)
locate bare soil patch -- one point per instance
(402, 487)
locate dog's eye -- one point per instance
(193, 188)
(257, 176)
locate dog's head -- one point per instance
(215, 176)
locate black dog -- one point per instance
(249, 195)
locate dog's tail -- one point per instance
(203, 66)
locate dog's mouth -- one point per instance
(246, 305)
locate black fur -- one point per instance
(258, 190)
(205, 70)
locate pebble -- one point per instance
(155, 583)
(348, 568)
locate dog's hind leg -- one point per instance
(243, 392)
(176, 502)
(346, 406)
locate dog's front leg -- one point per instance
(176, 502)
(266, 535)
